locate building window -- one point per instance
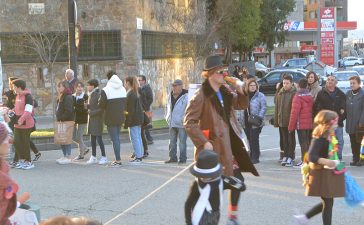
(313, 15)
(94, 45)
(100, 45)
(170, 2)
(181, 3)
(158, 45)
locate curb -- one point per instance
(47, 143)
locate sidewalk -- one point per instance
(46, 122)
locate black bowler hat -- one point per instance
(212, 62)
(207, 165)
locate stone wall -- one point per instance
(38, 79)
(103, 15)
(161, 73)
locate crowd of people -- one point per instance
(119, 103)
(214, 119)
(296, 106)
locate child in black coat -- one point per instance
(202, 206)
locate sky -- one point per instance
(355, 13)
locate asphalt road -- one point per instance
(132, 194)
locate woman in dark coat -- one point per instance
(95, 122)
(134, 117)
(65, 112)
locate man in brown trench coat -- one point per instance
(211, 111)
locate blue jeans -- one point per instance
(66, 149)
(339, 132)
(114, 133)
(181, 134)
(136, 141)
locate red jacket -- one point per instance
(301, 112)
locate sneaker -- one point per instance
(301, 219)
(136, 161)
(92, 160)
(284, 161)
(170, 161)
(60, 159)
(13, 164)
(19, 164)
(299, 164)
(289, 163)
(28, 166)
(86, 151)
(232, 222)
(115, 164)
(78, 158)
(103, 160)
(150, 142)
(145, 155)
(37, 156)
(64, 161)
(182, 162)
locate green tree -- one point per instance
(236, 23)
(274, 15)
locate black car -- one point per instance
(268, 83)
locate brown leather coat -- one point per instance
(204, 112)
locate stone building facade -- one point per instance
(161, 49)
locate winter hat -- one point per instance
(207, 165)
(4, 133)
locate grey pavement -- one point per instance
(103, 193)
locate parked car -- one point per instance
(359, 69)
(321, 69)
(342, 78)
(261, 70)
(293, 63)
(268, 83)
(350, 61)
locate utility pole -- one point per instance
(72, 20)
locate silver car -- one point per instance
(342, 78)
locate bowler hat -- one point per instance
(212, 62)
(207, 165)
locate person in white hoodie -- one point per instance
(112, 102)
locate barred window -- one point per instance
(94, 45)
(156, 45)
(100, 45)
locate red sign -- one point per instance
(308, 48)
(327, 36)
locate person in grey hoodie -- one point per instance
(112, 102)
(175, 111)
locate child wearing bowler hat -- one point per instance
(202, 206)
